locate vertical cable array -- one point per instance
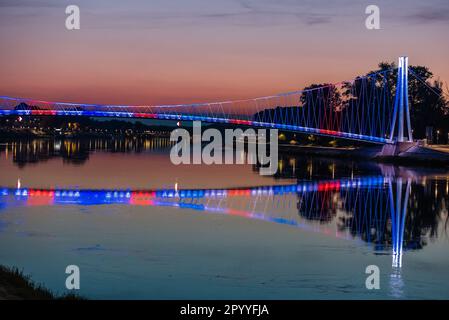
(360, 109)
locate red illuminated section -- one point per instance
(140, 198)
(241, 122)
(329, 186)
(43, 112)
(329, 132)
(145, 115)
(238, 192)
(37, 197)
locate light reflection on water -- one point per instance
(389, 211)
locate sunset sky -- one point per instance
(161, 52)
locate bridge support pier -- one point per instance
(396, 149)
(401, 111)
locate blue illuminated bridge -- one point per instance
(372, 108)
(369, 210)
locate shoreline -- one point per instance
(14, 285)
(411, 155)
(422, 156)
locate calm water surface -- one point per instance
(140, 227)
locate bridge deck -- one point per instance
(187, 117)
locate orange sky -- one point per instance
(159, 52)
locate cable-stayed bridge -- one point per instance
(371, 209)
(372, 108)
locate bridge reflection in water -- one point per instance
(368, 209)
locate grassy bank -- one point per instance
(14, 285)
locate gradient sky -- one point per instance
(159, 51)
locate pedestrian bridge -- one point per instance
(372, 108)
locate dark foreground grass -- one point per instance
(14, 285)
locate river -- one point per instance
(139, 227)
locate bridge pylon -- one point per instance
(401, 112)
(398, 207)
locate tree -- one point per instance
(321, 106)
(428, 106)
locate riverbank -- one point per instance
(14, 285)
(414, 156)
(79, 135)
